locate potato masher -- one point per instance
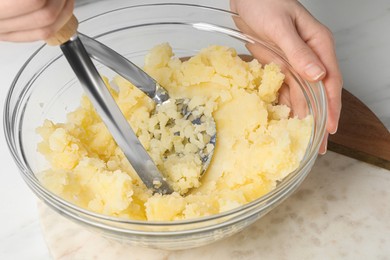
(77, 48)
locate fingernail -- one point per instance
(323, 153)
(314, 71)
(325, 149)
(324, 145)
(335, 131)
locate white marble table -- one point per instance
(341, 210)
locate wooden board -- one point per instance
(361, 135)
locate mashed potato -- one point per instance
(257, 143)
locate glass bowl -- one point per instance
(46, 88)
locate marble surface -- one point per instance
(341, 210)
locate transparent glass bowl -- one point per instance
(46, 88)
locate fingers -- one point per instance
(39, 24)
(320, 40)
(298, 53)
(43, 17)
(309, 47)
(14, 8)
(324, 145)
(333, 83)
(333, 86)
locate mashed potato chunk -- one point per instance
(257, 142)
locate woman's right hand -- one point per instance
(32, 20)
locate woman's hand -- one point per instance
(31, 20)
(307, 44)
